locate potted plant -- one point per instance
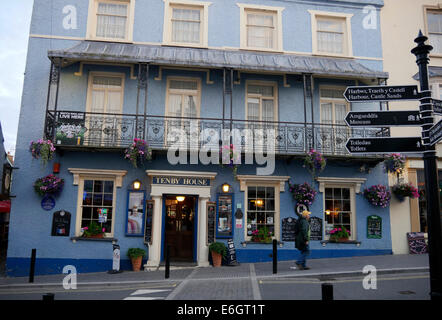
(93, 230)
(339, 234)
(403, 190)
(378, 195)
(136, 256)
(302, 193)
(218, 251)
(42, 149)
(48, 185)
(138, 151)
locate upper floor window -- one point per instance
(434, 22)
(331, 33)
(186, 23)
(261, 27)
(111, 20)
(261, 102)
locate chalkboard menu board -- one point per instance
(148, 221)
(211, 222)
(288, 229)
(374, 227)
(61, 223)
(231, 253)
(416, 242)
(315, 228)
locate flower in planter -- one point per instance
(403, 190)
(49, 185)
(262, 235)
(43, 149)
(314, 162)
(378, 195)
(93, 230)
(230, 157)
(394, 163)
(302, 193)
(339, 233)
(138, 150)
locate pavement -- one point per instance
(319, 268)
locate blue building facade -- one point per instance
(181, 74)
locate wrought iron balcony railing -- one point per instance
(103, 130)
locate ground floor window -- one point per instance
(98, 203)
(261, 209)
(338, 210)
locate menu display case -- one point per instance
(224, 216)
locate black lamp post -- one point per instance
(421, 52)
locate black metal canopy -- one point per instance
(215, 58)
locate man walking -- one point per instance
(302, 239)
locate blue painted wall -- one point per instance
(30, 225)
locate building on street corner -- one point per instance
(259, 83)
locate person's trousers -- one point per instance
(303, 256)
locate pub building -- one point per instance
(145, 69)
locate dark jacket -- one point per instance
(303, 235)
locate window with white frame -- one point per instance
(183, 97)
(261, 27)
(97, 203)
(331, 33)
(186, 23)
(111, 19)
(96, 199)
(261, 209)
(338, 210)
(434, 23)
(333, 106)
(261, 102)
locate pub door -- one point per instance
(179, 227)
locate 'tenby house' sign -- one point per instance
(182, 181)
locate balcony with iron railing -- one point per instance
(86, 130)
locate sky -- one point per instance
(15, 19)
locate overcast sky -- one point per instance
(15, 18)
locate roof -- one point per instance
(215, 58)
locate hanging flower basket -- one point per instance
(42, 149)
(49, 185)
(403, 190)
(302, 193)
(138, 151)
(394, 163)
(314, 162)
(230, 158)
(378, 195)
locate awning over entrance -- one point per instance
(5, 206)
(215, 58)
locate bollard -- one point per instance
(48, 297)
(167, 262)
(32, 269)
(327, 291)
(275, 256)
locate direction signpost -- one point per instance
(383, 118)
(384, 145)
(431, 134)
(435, 133)
(381, 93)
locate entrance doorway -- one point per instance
(180, 226)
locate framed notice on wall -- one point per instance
(374, 227)
(148, 221)
(135, 213)
(211, 222)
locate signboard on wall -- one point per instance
(61, 223)
(315, 228)
(374, 227)
(211, 222)
(288, 229)
(148, 221)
